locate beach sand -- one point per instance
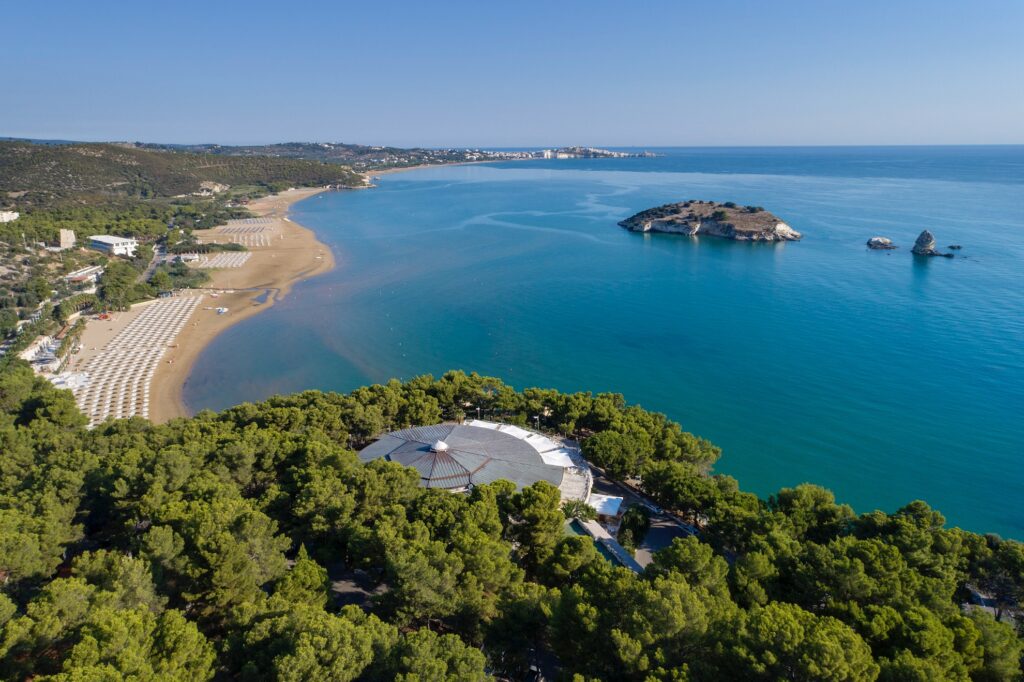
(294, 255)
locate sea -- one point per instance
(883, 376)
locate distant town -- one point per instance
(369, 157)
(416, 157)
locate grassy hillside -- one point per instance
(37, 175)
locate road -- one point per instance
(664, 528)
(158, 256)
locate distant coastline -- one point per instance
(390, 171)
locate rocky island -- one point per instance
(726, 220)
(881, 244)
(925, 246)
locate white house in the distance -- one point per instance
(8, 216)
(118, 246)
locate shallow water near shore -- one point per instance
(882, 376)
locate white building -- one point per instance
(608, 507)
(67, 239)
(457, 457)
(118, 246)
(8, 216)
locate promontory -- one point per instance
(726, 220)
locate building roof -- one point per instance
(456, 456)
(550, 451)
(606, 505)
(110, 239)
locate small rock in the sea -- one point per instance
(925, 246)
(954, 247)
(881, 243)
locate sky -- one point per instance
(515, 74)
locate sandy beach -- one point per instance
(280, 253)
(294, 254)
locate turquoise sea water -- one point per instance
(882, 376)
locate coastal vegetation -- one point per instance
(124, 218)
(359, 156)
(252, 544)
(48, 174)
(155, 196)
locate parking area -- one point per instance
(664, 528)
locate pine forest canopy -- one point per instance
(45, 174)
(201, 549)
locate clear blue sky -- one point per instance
(682, 72)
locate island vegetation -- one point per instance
(252, 544)
(726, 220)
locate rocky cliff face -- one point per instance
(727, 221)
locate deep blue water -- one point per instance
(885, 377)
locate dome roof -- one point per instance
(457, 456)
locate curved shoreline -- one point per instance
(294, 261)
(295, 254)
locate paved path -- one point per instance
(664, 527)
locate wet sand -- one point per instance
(294, 255)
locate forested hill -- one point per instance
(363, 157)
(253, 545)
(42, 174)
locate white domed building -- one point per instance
(457, 457)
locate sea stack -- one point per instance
(726, 220)
(925, 246)
(881, 243)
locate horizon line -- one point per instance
(63, 140)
